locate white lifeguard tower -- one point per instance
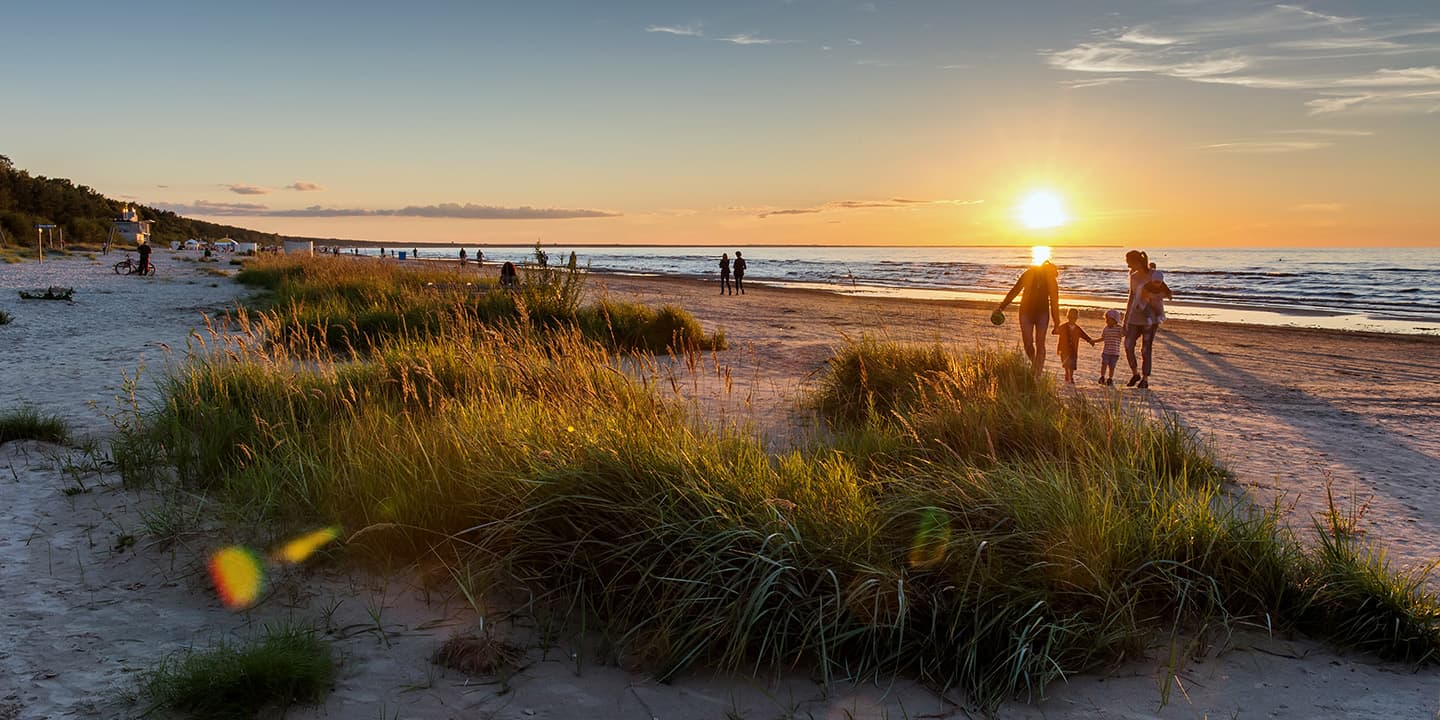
(130, 227)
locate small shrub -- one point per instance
(286, 665)
(5, 318)
(31, 424)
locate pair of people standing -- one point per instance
(1039, 292)
(725, 268)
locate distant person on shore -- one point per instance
(479, 257)
(1144, 311)
(739, 274)
(724, 273)
(1039, 291)
(462, 256)
(509, 279)
(144, 250)
(1111, 336)
(1068, 344)
(415, 253)
(574, 262)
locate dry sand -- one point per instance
(88, 601)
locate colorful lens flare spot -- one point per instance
(304, 546)
(237, 575)
(932, 537)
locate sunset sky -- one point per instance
(1163, 122)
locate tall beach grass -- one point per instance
(961, 522)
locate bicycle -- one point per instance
(130, 267)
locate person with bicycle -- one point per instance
(144, 250)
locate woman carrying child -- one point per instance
(1144, 311)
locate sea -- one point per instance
(1392, 290)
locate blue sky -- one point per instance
(1215, 122)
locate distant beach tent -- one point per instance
(130, 227)
(299, 247)
(192, 244)
(226, 244)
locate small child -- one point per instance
(1112, 336)
(1069, 344)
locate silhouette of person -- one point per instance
(508, 277)
(1039, 305)
(144, 250)
(1144, 311)
(724, 273)
(739, 273)
(462, 256)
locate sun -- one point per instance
(1042, 209)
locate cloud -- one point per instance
(302, 186)
(1327, 132)
(1343, 64)
(683, 30)
(210, 207)
(239, 189)
(853, 41)
(1097, 82)
(749, 39)
(1268, 147)
(467, 211)
(953, 67)
(857, 204)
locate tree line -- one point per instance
(85, 215)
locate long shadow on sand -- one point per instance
(1365, 447)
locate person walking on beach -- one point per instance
(462, 256)
(1111, 336)
(739, 274)
(724, 273)
(144, 250)
(1068, 344)
(1144, 311)
(1039, 292)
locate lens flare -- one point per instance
(238, 576)
(295, 551)
(932, 537)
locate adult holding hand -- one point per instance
(1039, 291)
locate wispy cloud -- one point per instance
(467, 211)
(302, 186)
(956, 66)
(1327, 132)
(1343, 63)
(750, 39)
(240, 189)
(1329, 207)
(859, 204)
(1269, 147)
(1096, 82)
(693, 30)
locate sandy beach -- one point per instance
(89, 601)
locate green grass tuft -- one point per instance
(29, 423)
(284, 666)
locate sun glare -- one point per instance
(1039, 254)
(1042, 209)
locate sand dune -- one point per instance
(86, 609)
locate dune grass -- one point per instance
(283, 666)
(961, 521)
(354, 303)
(28, 423)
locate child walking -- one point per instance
(1111, 336)
(1069, 344)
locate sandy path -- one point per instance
(84, 611)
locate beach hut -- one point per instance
(245, 248)
(130, 228)
(299, 247)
